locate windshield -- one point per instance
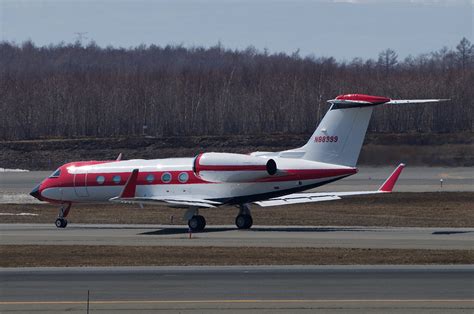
(56, 174)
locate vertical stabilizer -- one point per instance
(340, 135)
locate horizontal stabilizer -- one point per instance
(361, 100)
(414, 101)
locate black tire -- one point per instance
(202, 222)
(197, 223)
(244, 221)
(249, 222)
(194, 223)
(60, 223)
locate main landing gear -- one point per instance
(244, 218)
(61, 222)
(196, 222)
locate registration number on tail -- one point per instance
(326, 139)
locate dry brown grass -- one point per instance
(81, 255)
(447, 209)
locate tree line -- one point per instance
(75, 90)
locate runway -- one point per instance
(281, 289)
(229, 236)
(15, 186)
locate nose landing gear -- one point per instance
(61, 222)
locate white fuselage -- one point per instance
(176, 177)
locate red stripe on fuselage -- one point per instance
(67, 180)
(232, 168)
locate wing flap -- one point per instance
(299, 200)
(178, 201)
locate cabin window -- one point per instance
(150, 178)
(100, 179)
(166, 177)
(183, 177)
(55, 174)
(117, 179)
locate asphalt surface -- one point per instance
(15, 186)
(237, 289)
(229, 236)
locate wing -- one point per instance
(128, 196)
(178, 201)
(298, 198)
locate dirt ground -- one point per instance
(441, 209)
(79, 255)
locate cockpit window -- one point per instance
(56, 174)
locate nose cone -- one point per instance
(36, 192)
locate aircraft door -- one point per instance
(80, 184)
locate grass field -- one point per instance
(81, 255)
(447, 209)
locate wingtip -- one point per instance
(130, 186)
(388, 185)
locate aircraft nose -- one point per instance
(36, 192)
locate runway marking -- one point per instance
(238, 301)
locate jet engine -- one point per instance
(226, 167)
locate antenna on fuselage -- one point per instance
(119, 157)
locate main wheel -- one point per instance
(202, 222)
(61, 223)
(197, 223)
(243, 221)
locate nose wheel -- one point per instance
(61, 221)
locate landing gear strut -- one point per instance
(196, 222)
(61, 222)
(244, 218)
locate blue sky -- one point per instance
(341, 28)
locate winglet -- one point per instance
(388, 185)
(130, 186)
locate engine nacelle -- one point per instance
(226, 167)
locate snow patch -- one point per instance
(13, 170)
(18, 214)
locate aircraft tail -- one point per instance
(339, 137)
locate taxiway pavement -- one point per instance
(229, 236)
(281, 289)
